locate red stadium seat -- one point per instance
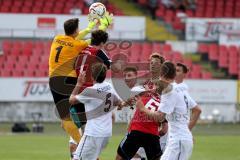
(177, 56)
(206, 75)
(169, 16)
(15, 9)
(223, 62)
(6, 73)
(26, 9)
(9, 65)
(4, 9)
(213, 52)
(29, 73)
(203, 48)
(28, 3)
(7, 3)
(189, 13)
(40, 73)
(37, 10)
(233, 69)
(160, 12)
(196, 68)
(157, 47)
(195, 75)
(17, 3)
(188, 63)
(167, 48)
(15, 51)
(17, 73)
(6, 46)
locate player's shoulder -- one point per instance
(80, 42)
(181, 86)
(59, 36)
(89, 50)
(170, 92)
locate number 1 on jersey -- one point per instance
(59, 49)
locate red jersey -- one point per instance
(140, 121)
(86, 59)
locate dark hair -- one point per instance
(168, 70)
(184, 67)
(157, 55)
(98, 37)
(70, 26)
(130, 69)
(99, 71)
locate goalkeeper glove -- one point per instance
(106, 21)
(92, 23)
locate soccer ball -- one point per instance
(97, 10)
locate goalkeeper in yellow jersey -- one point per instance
(62, 75)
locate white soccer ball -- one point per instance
(97, 10)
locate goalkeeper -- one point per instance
(62, 74)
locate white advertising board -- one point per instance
(213, 91)
(37, 89)
(230, 38)
(209, 29)
(25, 89)
(48, 25)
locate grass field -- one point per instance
(215, 142)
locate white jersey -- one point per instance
(98, 101)
(177, 105)
(182, 86)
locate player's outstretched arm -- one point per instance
(155, 116)
(81, 80)
(91, 24)
(196, 111)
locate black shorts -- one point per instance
(61, 88)
(136, 139)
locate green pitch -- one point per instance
(216, 142)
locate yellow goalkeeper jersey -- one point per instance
(64, 50)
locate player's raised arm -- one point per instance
(105, 22)
(91, 24)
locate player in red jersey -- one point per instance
(89, 56)
(142, 131)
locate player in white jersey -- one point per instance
(175, 105)
(99, 101)
(181, 72)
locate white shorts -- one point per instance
(178, 150)
(89, 147)
(163, 142)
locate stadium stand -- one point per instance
(204, 9)
(227, 57)
(36, 52)
(49, 7)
